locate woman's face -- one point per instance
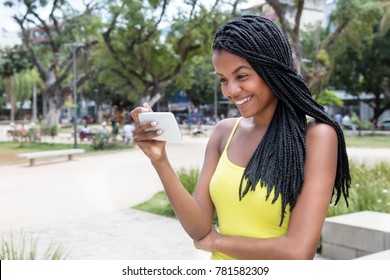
(243, 86)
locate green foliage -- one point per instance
(361, 124)
(363, 18)
(370, 190)
(22, 83)
(189, 178)
(102, 141)
(361, 56)
(159, 203)
(23, 248)
(202, 81)
(141, 57)
(50, 130)
(14, 60)
(323, 58)
(329, 97)
(374, 141)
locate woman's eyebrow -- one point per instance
(241, 67)
(237, 69)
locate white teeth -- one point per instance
(240, 102)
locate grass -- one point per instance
(21, 247)
(158, 204)
(375, 141)
(370, 190)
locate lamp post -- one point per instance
(74, 46)
(215, 93)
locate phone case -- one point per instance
(166, 121)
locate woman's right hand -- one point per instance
(153, 149)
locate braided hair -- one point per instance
(278, 161)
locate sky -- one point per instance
(9, 29)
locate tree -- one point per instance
(142, 58)
(47, 54)
(367, 71)
(13, 62)
(364, 52)
(342, 18)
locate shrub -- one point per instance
(101, 142)
(27, 249)
(189, 178)
(50, 130)
(370, 190)
(159, 203)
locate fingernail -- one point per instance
(159, 132)
(153, 123)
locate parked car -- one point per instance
(384, 124)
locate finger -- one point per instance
(147, 130)
(146, 105)
(147, 136)
(135, 112)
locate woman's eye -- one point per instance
(222, 80)
(242, 76)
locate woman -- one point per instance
(270, 175)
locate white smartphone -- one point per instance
(166, 121)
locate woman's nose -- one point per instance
(233, 89)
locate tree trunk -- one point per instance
(11, 97)
(53, 115)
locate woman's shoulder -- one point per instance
(319, 132)
(225, 126)
(222, 131)
(226, 123)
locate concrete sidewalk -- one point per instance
(84, 204)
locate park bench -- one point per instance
(55, 153)
(88, 135)
(19, 134)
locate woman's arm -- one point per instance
(195, 212)
(308, 215)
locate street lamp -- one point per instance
(74, 46)
(215, 93)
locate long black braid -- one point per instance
(278, 162)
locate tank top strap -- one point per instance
(232, 133)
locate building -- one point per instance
(313, 11)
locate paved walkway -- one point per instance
(85, 204)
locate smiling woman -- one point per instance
(243, 86)
(270, 174)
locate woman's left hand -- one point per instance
(207, 242)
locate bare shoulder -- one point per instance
(225, 125)
(320, 132)
(321, 139)
(221, 132)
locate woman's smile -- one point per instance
(242, 101)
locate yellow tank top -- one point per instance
(253, 216)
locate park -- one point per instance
(75, 186)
